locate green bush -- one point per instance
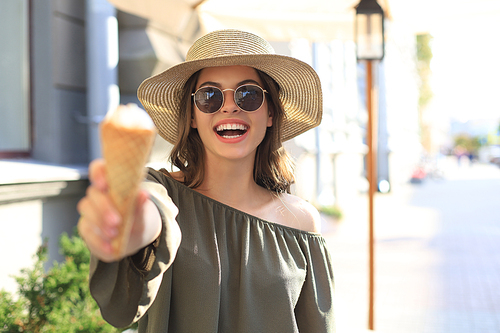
(332, 211)
(55, 301)
(468, 142)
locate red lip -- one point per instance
(231, 121)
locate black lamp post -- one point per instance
(369, 30)
(370, 47)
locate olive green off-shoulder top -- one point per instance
(217, 269)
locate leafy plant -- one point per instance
(55, 301)
(332, 211)
(470, 143)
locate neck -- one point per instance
(230, 182)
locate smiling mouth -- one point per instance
(231, 131)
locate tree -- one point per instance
(470, 143)
(424, 57)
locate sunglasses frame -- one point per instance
(234, 97)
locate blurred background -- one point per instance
(65, 63)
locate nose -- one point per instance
(229, 105)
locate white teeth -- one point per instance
(231, 127)
(224, 127)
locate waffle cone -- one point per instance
(126, 150)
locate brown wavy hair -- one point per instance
(273, 167)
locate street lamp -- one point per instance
(369, 48)
(369, 30)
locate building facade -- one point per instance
(48, 122)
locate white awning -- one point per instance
(287, 19)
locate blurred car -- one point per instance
(494, 154)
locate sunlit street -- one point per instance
(437, 255)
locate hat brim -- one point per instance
(300, 91)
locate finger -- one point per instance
(92, 236)
(97, 174)
(101, 211)
(96, 240)
(89, 232)
(89, 225)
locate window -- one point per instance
(15, 129)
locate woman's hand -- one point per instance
(100, 220)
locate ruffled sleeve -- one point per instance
(124, 290)
(315, 308)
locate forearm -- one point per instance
(146, 229)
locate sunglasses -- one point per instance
(248, 97)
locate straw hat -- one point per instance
(300, 88)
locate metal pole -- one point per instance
(372, 179)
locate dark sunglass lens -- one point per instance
(249, 97)
(208, 99)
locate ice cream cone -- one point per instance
(127, 135)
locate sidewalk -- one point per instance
(437, 256)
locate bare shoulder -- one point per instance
(303, 215)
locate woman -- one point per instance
(242, 255)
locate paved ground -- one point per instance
(437, 256)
